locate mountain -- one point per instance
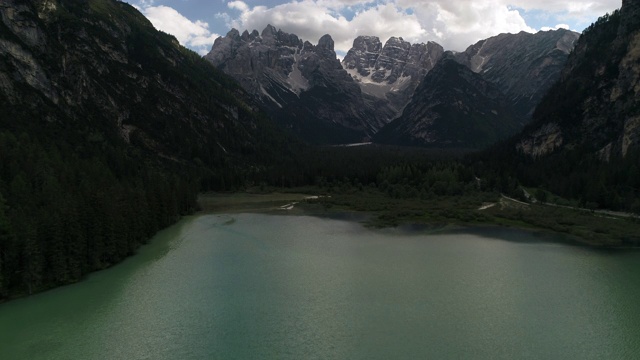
(304, 88)
(389, 74)
(452, 107)
(300, 85)
(523, 66)
(583, 141)
(107, 127)
(595, 105)
(118, 78)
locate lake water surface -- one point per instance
(251, 286)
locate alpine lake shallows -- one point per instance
(277, 285)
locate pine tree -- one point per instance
(5, 235)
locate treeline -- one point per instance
(64, 213)
(594, 183)
(605, 20)
(118, 149)
(423, 174)
(298, 165)
(577, 174)
(583, 170)
(398, 172)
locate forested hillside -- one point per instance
(584, 139)
(108, 130)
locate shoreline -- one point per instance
(307, 204)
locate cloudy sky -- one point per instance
(455, 24)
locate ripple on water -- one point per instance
(249, 286)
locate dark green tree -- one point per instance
(5, 236)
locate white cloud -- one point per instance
(307, 19)
(455, 24)
(578, 13)
(310, 20)
(239, 5)
(144, 3)
(195, 35)
(559, 26)
(575, 8)
(458, 24)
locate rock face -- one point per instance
(595, 107)
(305, 88)
(301, 85)
(523, 66)
(452, 107)
(100, 70)
(270, 56)
(390, 73)
(108, 128)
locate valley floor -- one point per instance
(377, 209)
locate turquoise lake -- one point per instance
(257, 286)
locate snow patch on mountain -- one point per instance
(296, 80)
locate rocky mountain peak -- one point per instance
(326, 42)
(393, 54)
(371, 63)
(396, 48)
(325, 50)
(397, 41)
(452, 107)
(248, 37)
(523, 65)
(281, 70)
(363, 55)
(301, 85)
(273, 37)
(594, 107)
(369, 44)
(233, 34)
(391, 72)
(251, 54)
(269, 31)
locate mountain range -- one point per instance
(302, 86)
(594, 105)
(274, 67)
